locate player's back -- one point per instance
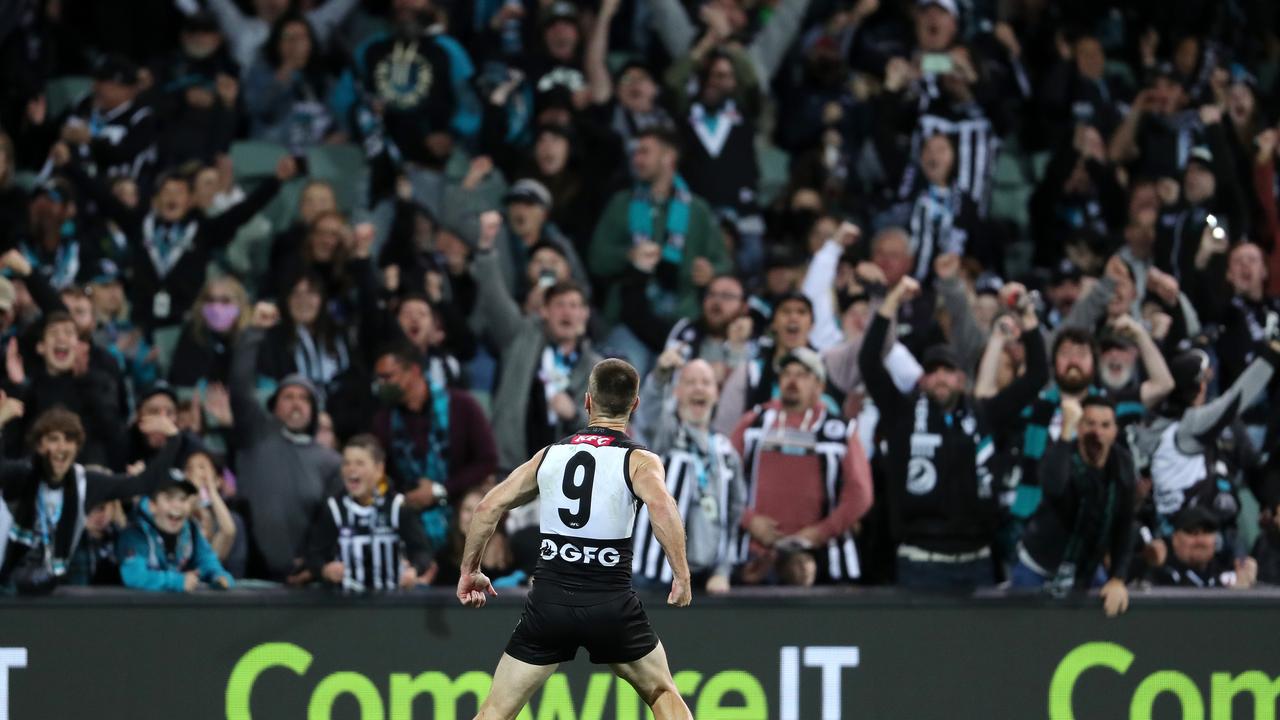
(588, 511)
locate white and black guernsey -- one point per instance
(839, 559)
(371, 541)
(588, 512)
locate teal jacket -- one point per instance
(144, 564)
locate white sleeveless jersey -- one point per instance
(587, 512)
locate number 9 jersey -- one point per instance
(588, 512)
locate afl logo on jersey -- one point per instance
(583, 554)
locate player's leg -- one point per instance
(514, 682)
(651, 677)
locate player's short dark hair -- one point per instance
(369, 444)
(613, 387)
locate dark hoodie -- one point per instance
(282, 476)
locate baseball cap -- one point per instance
(940, 355)
(1203, 155)
(1165, 70)
(7, 295)
(117, 69)
(809, 359)
(1196, 519)
(558, 11)
(796, 296)
(176, 480)
(948, 5)
(528, 190)
(988, 284)
(1065, 271)
(201, 21)
(108, 272)
(159, 387)
(1188, 369)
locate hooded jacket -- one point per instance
(282, 476)
(146, 563)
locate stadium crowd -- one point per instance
(934, 293)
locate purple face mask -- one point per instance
(220, 316)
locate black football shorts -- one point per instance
(615, 631)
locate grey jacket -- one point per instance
(523, 339)
(284, 477)
(710, 545)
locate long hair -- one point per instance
(324, 330)
(200, 328)
(271, 50)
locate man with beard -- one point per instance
(719, 158)
(942, 498)
(808, 479)
(704, 473)
(720, 335)
(1087, 514)
(1121, 344)
(282, 472)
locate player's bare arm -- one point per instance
(520, 487)
(648, 481)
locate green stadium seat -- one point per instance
(25, 180)
(775, 170)
(63, 93)
(1120, 69)
(254, 159)
(344, 167)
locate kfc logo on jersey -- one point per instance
(596, 440)
(584, 554)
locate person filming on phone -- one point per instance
(525, 230)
